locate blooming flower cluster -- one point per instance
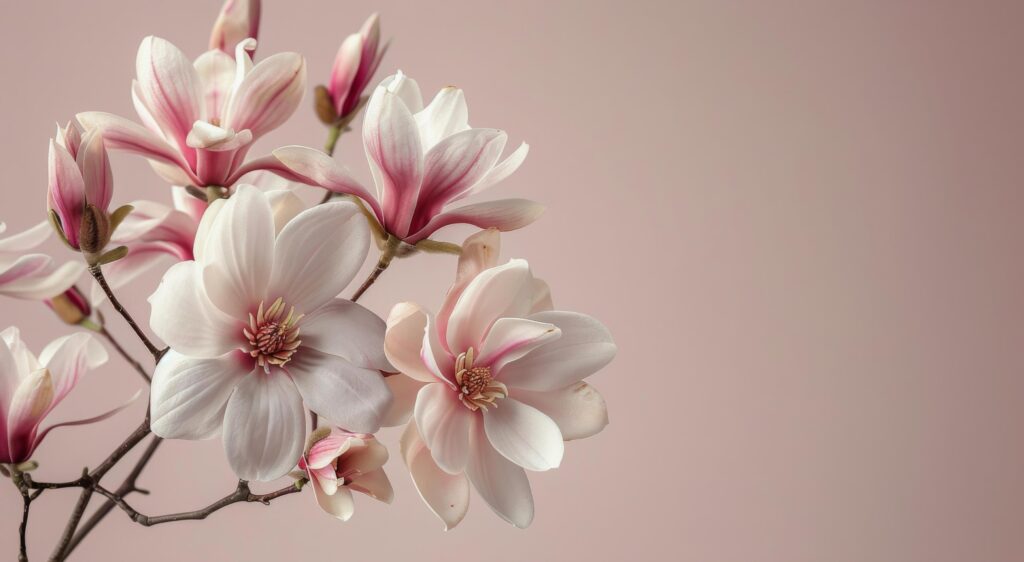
(251, 340)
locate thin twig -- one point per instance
(127, 357)
(27, 501)
(97, 273)
(59, 552)
(242, 493)
(382, 264)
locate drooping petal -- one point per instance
(503, 214)
(184, 317)
(312, 167)
(318, 254)
(446, 115)
(120, 133)
(455, 165)
(404, 389)
(500, 482)
(524, 435)
(348, 330)
(479, 252)
(511, 338)
(494, 293)
(36, 277)
(189, 395)
(444, 425)
(169, 88)
(393, 149)
(268, 95)
(584, 348)
(238, 20)
(237, 251)
(447, 495)
(403, 341)
(578, 409)
(68, 358)
(349, 396)
(264, 426)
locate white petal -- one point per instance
(584, 348)
(318, 254)
(503, 170)
(578, 409)
(264, 426)
(268, 95)
(444, 425)
(404, 389)
(447, 495)
(169, 88)
(26, 240)
(446, 115)
(348, 330)
(403, 341)
(511, 338)
(479, 252)
(348, 396)
(500, 482)
(495, 293)
(524, 435)
(339, 504)
(184, 317)
(216, 72)
(189, 395)
(68, 358)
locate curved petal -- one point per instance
(216, 72)
(318, 254)
(500, 482)
(312, 167)
(123, 134)
(392, 143)
(184, 317)
(238, 20)
(406, 89)
(578, 409)
(446, 115)
(368, 455)
(169, 88)
(65, 193)
(68, 358)
(403, 341)
(343, 73)
(444, 425)
(189, 395)
(498, 173)
(32, 399)
(264, 426)
(404, 390)
(44, 282)
(447, 495)
(511, 338)
(495, 293)
(285, 205)
(375, 484)
(584, 348)
(348, 396)
(27, 239)
(454, 166)
(524, 435)
(503, 214)
(98, 180)
(348, 330)
(339, 504)
(479, 252)
(268, 95)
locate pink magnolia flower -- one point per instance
(80, 184)
(422, 160)
(255, 330)
(31, 387)
(498, 385)
(33, 276)
(355, 64)
(341, 462)
(201, 119)
(238, 20)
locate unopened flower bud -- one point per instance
(354, 65)
(95, 231)
(71, 306)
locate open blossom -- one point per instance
(255, 330)
(497, 379)
(201, 119)
(339, 463)
(422, 160)
(33, 276)
(354, 66)
(31, 387)
(80, 188)
(238, 20)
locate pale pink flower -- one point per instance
(79, 176)
(354, 66)
(422, 160)
(238, 20)
(33, 276)
(497, 383)
(201, 119)
(31, 387)
(255, 330)
(339, 463)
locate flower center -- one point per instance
(273, 336)
(477, 387)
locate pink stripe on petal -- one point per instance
(504, 214)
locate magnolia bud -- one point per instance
(71, 306)
(238, 20)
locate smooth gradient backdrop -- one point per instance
(801, 221)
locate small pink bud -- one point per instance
(71, 306)
(238, 20)
(354, 65)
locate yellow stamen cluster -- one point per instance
(273, 336)
(477, 387)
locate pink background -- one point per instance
(801, 220)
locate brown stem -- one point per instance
(59, 552)
(27, 501)
(241, 494)
(97, 273)
(385, 260)
(127, 357)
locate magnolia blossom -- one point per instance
(33, 276)
(238, 21)
(498, 385)
(338, 463)
(255, 330)
(422, 159)
(201, 118)
(31, 387)
(354, 66)
(80, 187)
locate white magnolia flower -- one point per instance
(255, 330)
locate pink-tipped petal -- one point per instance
(584, 348)
(504, 214)
(512, 338)
(455, 165)
(312, 167)
(120, 133)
